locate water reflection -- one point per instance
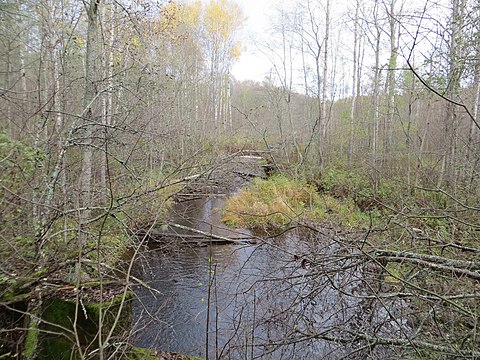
(203, 214)
(234, 276)
(261, 301)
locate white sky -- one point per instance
(252, 65)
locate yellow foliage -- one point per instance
(170, 16)
(78, 41)
(222, 18)
(191, 14)
(134, 41)
(176, 18)
(218, 21)
(235, 51)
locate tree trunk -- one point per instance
(473, 147)
(354, 84)
(391, 82)
(450, 168)
(90, 95)
(107, 99)
(323, 114)
(375, 100)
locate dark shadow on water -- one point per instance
(265, 300)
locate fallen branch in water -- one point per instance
(211, 236)
(378, 340)
(459, 267)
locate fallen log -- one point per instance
(199, 236)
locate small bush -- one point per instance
(341, 182)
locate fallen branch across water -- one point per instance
(379, 340)
(216, 238)
(459, 267)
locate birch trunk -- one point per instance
(90, 95)
(323, 115)
(354, 84)
(391, 81)
(375, 100)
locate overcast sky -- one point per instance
(252, 65)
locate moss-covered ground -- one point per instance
(58, 338)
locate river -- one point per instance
(253, 301)
(298, 295)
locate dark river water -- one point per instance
(252, 301)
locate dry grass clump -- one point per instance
(280, 200)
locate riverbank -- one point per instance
(382, 272)
(378, 270)
(57, 289)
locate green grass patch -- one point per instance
(283, 200)
(358, 183)
(141, 354)
(150, 354)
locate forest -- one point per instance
(154, 206)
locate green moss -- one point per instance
(31, 340)
(60, 313)
(110, 310)
(55, 347)
(141, 354)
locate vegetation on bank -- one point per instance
(45, 243)
(351, 199)
(151, 354)
(283, 200)
(59, 339)
(41, 248)
(337, 196)
(422, 242)
(85, 160)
